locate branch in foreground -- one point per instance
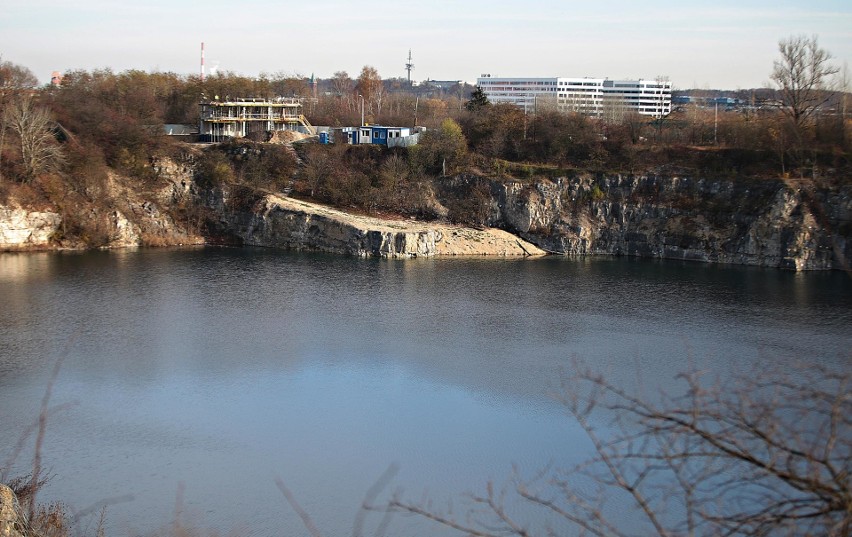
(764, 454)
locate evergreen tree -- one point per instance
(478, 100)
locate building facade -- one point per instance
(598, 97)
(376, 135)
(221, 120)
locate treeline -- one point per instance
(59, 144)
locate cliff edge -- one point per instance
(290, 223)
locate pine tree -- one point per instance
(478, 100)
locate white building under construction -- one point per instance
(238, 118)
(599, 97)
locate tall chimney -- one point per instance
(202, 61)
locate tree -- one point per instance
(369, 84)
(496, 131)
(321, 167)
(764, 454)
(14, 78)
(288, 85)
(478, 100)
(443, 149)
(341, 84)
(34, 128)
(802, 75)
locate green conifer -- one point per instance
(478, 100)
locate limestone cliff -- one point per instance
(22, 229)
(288, 223)
(798, 225)
(121, 213)
(13, 523)
(792, 224)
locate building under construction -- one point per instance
(256, 118)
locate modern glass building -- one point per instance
(599, 97)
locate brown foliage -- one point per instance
(254, 165)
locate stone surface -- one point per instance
(290, 223)
(11, 524)
(797, 225)
(793, 224)
(23, 229)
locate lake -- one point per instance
(191, 379)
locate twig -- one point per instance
(370, 497)
(42, 427)
(306, 518)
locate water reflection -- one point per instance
(215, 365)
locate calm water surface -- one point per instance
(195, 378)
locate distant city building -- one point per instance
(221, 120)
(56, 78)
(599, 97)
(444, 84)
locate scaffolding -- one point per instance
(221, 120)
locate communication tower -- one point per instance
(409, 66)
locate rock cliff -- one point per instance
(122, 214)
(22, 229)
(792, 224)
(289, 223)
(12, 521)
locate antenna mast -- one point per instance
(409, 66)
(202, 61)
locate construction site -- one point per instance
(258, 119)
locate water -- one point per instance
(192, 379)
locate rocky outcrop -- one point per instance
(796, 225)
(793, 224)
(21, 229)
(289, 223)
(147, 219)
(119, 214)
(12, 521)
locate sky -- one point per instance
(720, 44)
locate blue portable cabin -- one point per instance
(379, 134)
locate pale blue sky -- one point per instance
(716, 44)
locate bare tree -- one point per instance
(14, 79)
(802, 75)
(341, 83)
(319, 168)
(767, 454)
(34, 128)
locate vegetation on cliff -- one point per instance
(78, 147)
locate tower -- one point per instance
(409, 66)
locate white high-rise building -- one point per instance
(599, 97)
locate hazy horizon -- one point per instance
(714, 45)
